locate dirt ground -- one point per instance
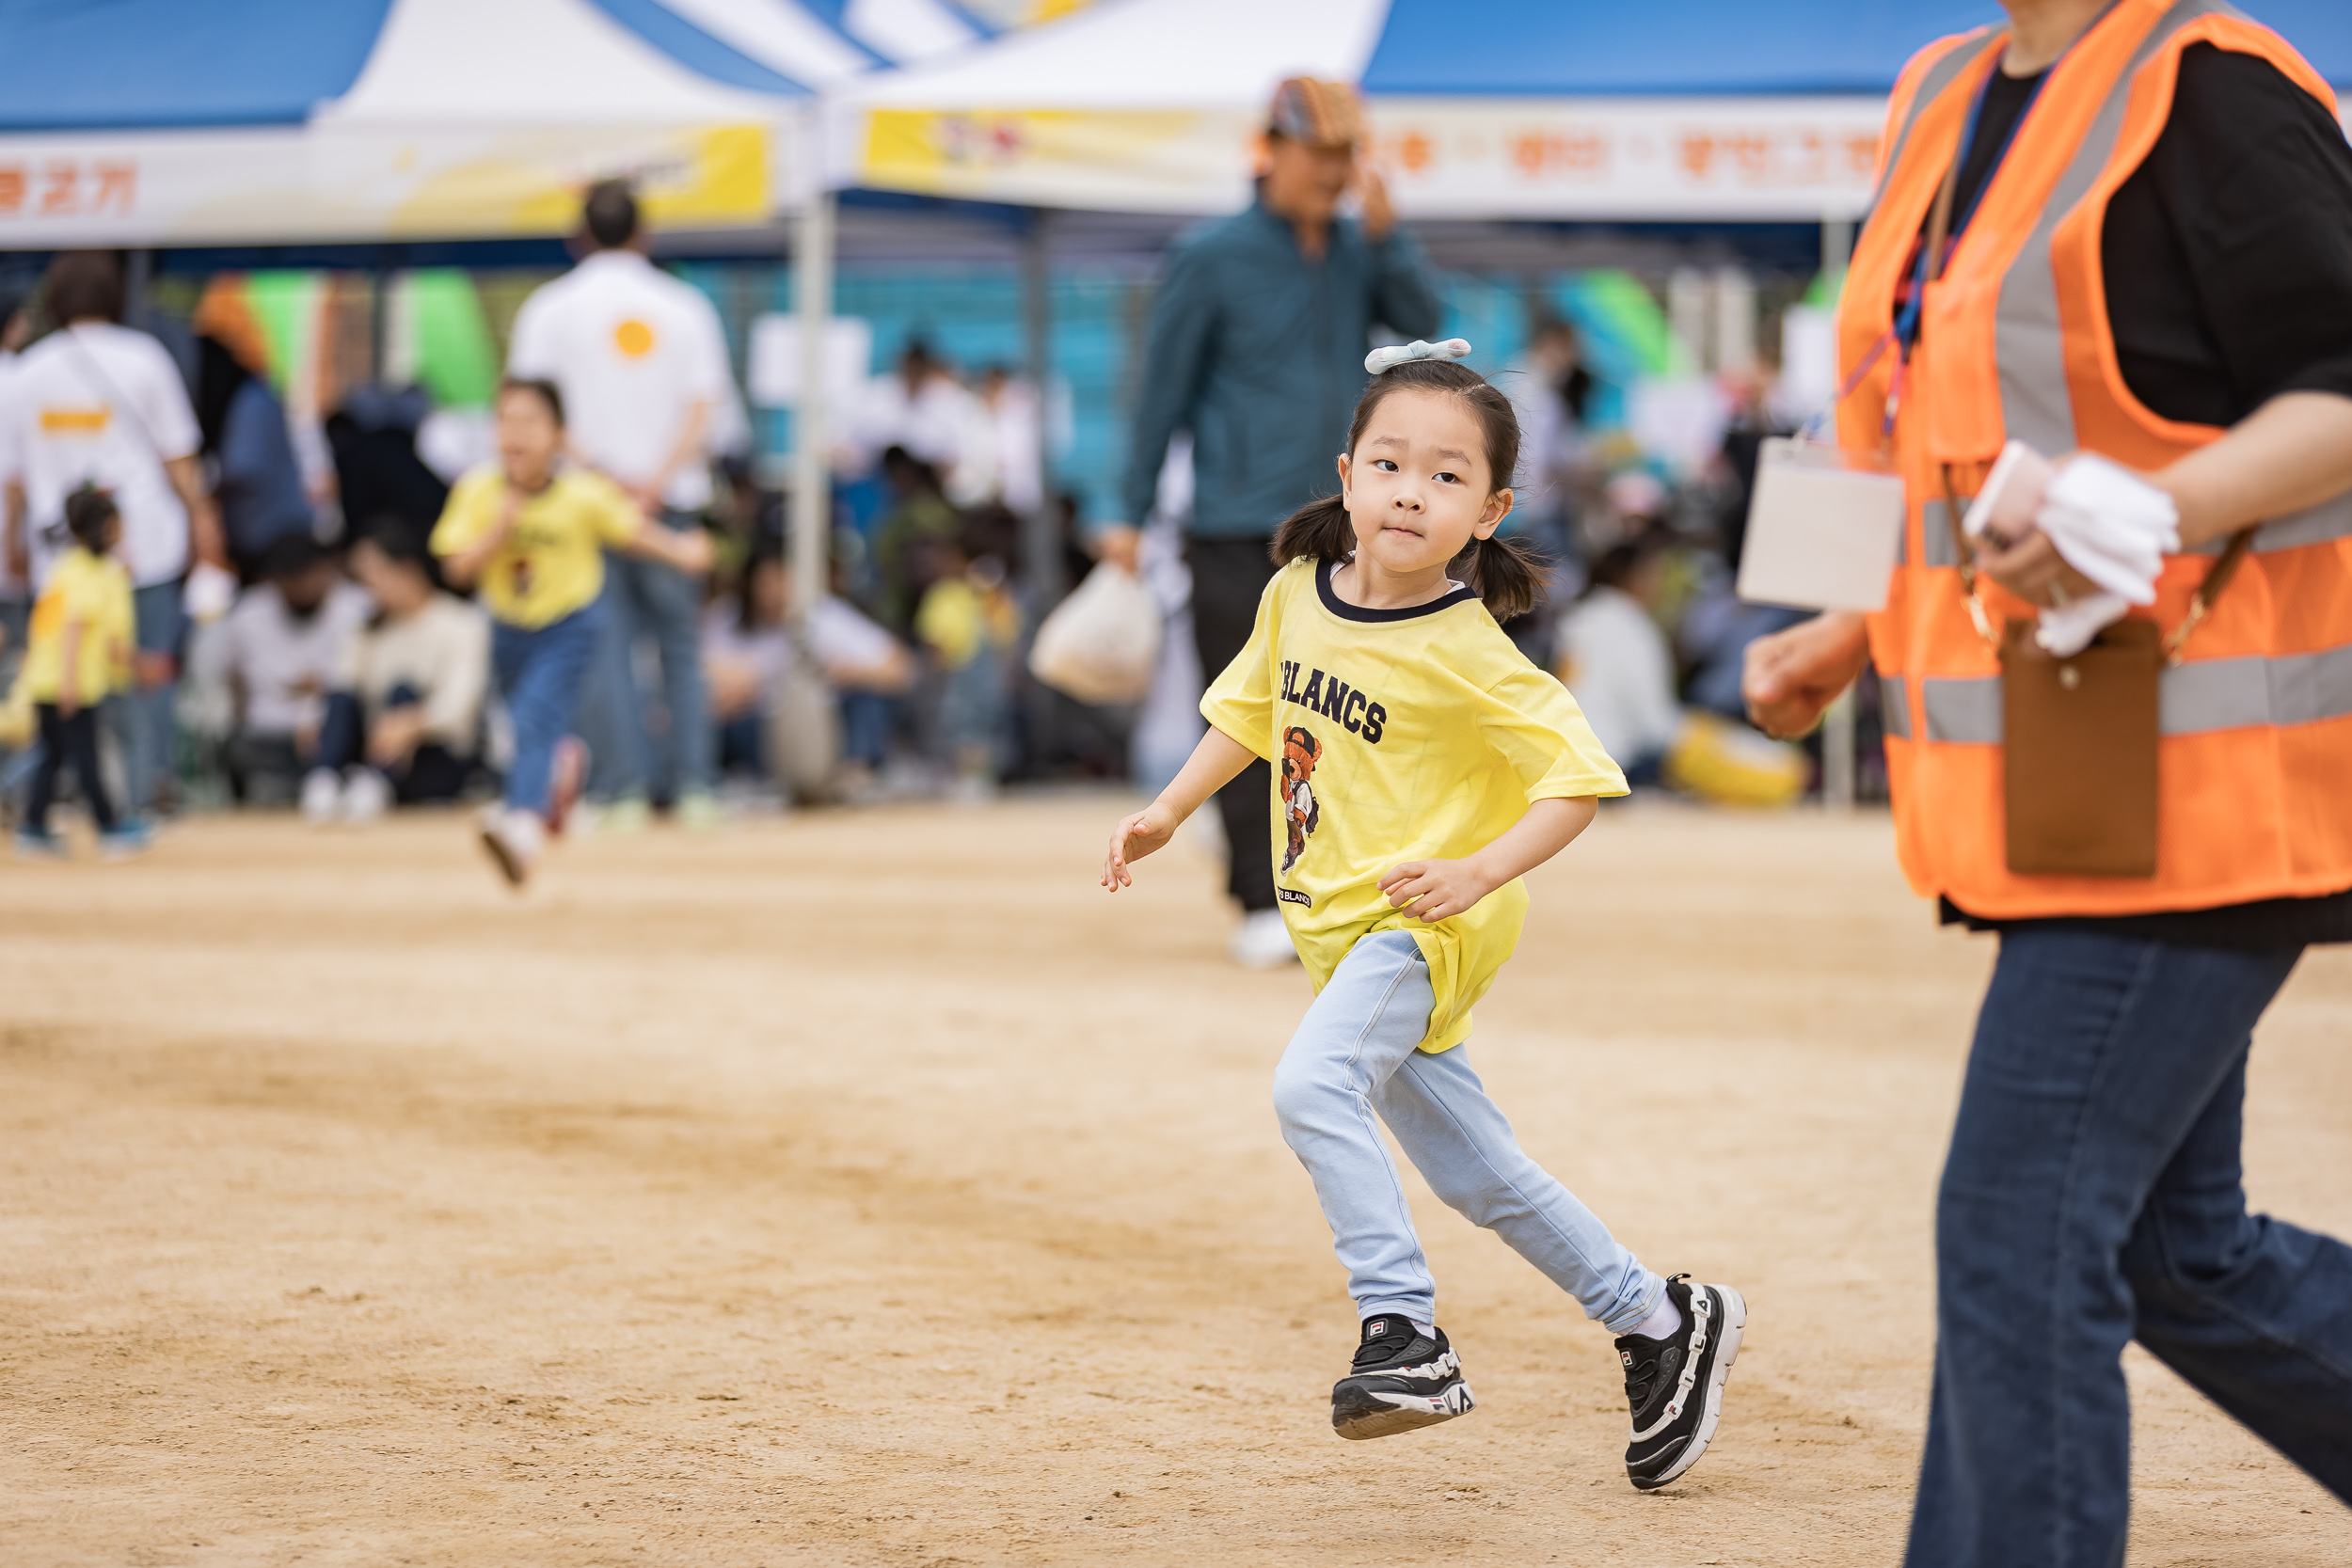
(872, 1189)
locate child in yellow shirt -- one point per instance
(1423, 766)
(970, 626)
(77, 653)
(532, 532)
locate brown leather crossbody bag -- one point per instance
(2078, 738)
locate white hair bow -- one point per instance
(1397, 353)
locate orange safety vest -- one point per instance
(2255, 760)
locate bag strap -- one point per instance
(2200, 604)
(2232, 554)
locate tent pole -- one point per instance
(1041, 542)
(812, 479)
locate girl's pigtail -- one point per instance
(1319, 529)
(1508, 576)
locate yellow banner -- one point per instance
(524, 185)
(1134, 158)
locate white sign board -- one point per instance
(774, 372)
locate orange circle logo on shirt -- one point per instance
(633, 337)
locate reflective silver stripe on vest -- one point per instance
(2313, 525)
(1936, 527)
(2198, 698)
(1931, 85)
(1939, 550)
(2028, 345)
(2232, 694)
(1895, 706)
(1963, 710)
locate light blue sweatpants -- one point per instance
(1356, 1053)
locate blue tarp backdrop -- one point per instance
(1579, 48)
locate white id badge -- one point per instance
(1822, 531)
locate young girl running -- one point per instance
(532, 534)
(1423, 766)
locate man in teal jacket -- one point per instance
(1257, 347)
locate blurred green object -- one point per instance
(446, 338)
(286, 304)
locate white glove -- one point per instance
(2115, 528)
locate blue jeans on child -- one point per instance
(1357, 1053)
(2092, 1196)
(540, 670)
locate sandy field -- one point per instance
(872, 1189)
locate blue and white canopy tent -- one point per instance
(1503, 109)
(150, 122)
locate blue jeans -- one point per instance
(1356, 1053)
(2092, 1196)
(868, 718)
(142, 720)
(539, 673)
(649, 599)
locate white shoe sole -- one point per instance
(1735, 1321)
(1383, 1414)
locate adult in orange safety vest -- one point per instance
(2149, 211)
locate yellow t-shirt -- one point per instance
(95, 591)
(958, 615)
(552, 563)
(1400, 735)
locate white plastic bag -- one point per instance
(1100, 644)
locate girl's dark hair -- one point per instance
(88, 512)
(1508, 576)
(543, 390)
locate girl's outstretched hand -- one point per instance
(1134, 838)
(1435, 889)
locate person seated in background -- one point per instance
(283, 646)
(1616, 659)
(404, 723)
(746, 652)
(971, 628)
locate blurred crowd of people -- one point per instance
(326, 639)
(297, 637)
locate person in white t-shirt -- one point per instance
(1616, 661)
(286, 643)
(641, 360)
(97, 404)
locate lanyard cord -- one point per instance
(1929, 267)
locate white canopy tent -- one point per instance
(1155, 106)
(149, 122)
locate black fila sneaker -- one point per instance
(1402, 1379)
(1676, 1385)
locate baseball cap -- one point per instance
(1316, 112)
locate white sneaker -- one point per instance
(513, 839)
(367, 796)
(322, 796)
(1261, 941)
